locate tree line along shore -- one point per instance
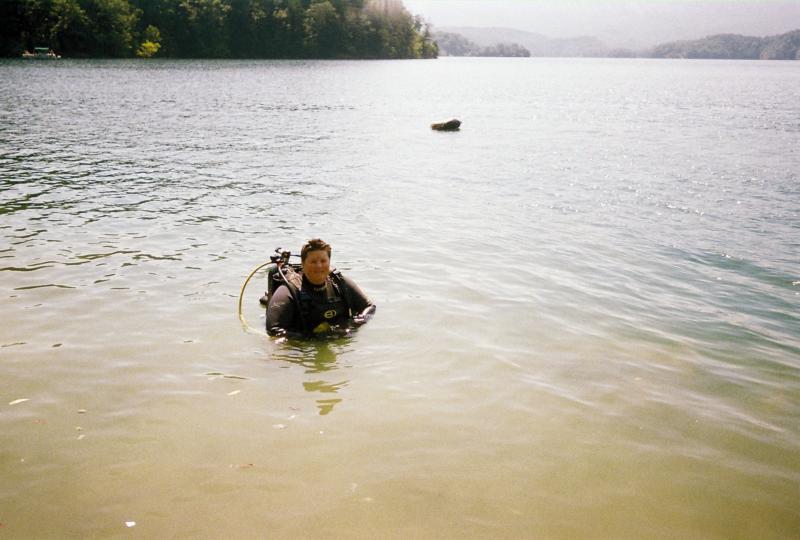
(214, 29)
(308, 29)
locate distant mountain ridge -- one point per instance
(721, 46)
(536, 44)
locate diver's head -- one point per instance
(316, 259)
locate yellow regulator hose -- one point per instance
(247, 327)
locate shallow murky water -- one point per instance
(588, 299)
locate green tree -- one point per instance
(214, 28)
(322, 30)
(241, 23)
(111, 27)
(35, 20)
(424, 45)
(160, 14)
(151, 44)
(70, 28)
(205, 35)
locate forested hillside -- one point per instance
(214, 29)
(781, 47)
(457, 45)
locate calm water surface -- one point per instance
(589, 299)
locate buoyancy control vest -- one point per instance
(326, 304)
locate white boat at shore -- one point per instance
(41, 53)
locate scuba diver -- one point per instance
(314, 300)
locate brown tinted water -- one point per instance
(588, 299)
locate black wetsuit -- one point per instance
(335, 302)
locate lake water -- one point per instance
(588, 299)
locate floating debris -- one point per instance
(234, 392)
(278, 426)
(16, 401)
(82, 411)
(220, 374)
(130, 524)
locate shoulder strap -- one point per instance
(294, 281)
(338, 279)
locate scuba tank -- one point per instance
(272, 276)
(278, 273)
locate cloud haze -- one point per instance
(620, 22)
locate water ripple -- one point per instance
(599, 269)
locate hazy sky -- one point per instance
(618, 22)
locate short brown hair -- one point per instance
(315, 244)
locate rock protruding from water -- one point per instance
(450, 125)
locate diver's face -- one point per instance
(317, 266)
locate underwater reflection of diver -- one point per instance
(309, 299)
(317, 357)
